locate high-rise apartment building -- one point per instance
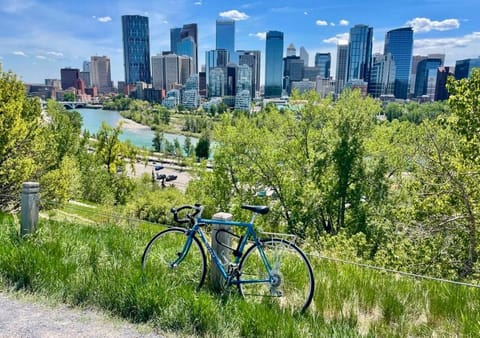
(225, 37)
(251, 58)
(216, 82)
(69, 77)
(136, 49)
(323, 62)
(184, 41)
(399, 43)
(165, 71)
(464, 68)
(341, 74)
(100, 74)
(359, 53)
(273, 64)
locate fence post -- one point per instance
(29, 207)
(220, 251)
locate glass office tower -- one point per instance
(226, 35)
(399, 43)
(323, 62)
(359, 53)
(341, 76)
(136, 49)
(184, 41)
(273, 64)
(463, 68)
(423, 69)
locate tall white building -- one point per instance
(304, 56)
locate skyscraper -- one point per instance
(425, 69)
(225, 37)
(291, 50)
(399, 43)
(69, 77)
(100, 74)
(184, 41)
(251, 58)
(273, 64)
(323, 62)
(463, 68)
(341, 76)
(136, 48)
(382, 75)
(441, 92)
(359, 53)
(292, 71)
(304, 56)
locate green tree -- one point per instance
(69, 96)
(188, 147)
(158, 140)
(202, 150)
(20, 145)
(111, 151)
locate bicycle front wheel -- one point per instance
(289, 283)
(175, 259)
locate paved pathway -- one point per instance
(22, 317)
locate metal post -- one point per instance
(223, 253)
(29, 208)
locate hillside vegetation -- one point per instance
(99, 266)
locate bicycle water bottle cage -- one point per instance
(259, 209)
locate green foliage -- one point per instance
(119, 102)
(415, 112)
(69, 96)
(111, 151)
(202, 150)
(20, 142)
(98, 266)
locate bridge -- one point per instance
(74, 104)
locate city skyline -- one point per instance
(40, 38)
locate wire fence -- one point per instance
(104, 217)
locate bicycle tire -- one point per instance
(164, 249)
(292, 284)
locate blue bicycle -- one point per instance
(270, 270)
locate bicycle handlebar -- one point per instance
(189, 217)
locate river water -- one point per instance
(138, 136)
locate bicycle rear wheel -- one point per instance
(162, 259)
(290, 284)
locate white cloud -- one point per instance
(198, 3)
(321, 23)
(41, 57)
(425, 25)
(332, 24)
(259, 35)
(305, 13)
(57, 54)
(443, 43)
(343, 22)
(19, 53)
(104, 19)
(339, 39)
(234, 15)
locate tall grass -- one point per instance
(100, 266)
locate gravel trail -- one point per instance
(21, 317)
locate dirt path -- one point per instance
(27, 318)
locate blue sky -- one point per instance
(38, 37)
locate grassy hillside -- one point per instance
(99, 266)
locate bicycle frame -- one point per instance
(250, 233)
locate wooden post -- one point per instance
(29, 208)
(223, 253)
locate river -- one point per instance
(139, 136)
